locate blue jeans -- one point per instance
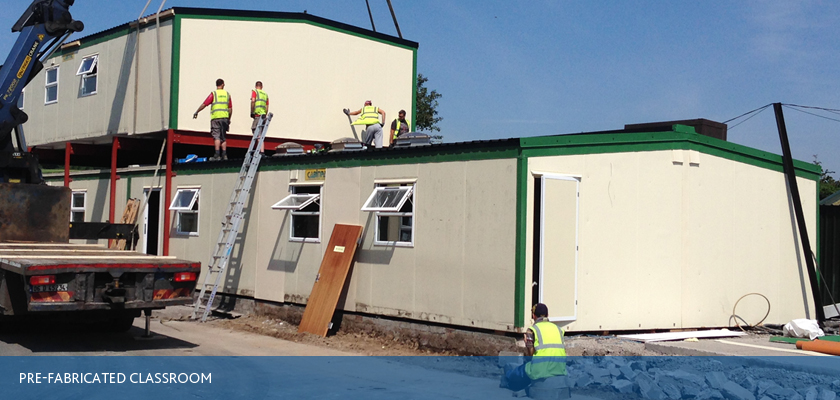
(517, 379)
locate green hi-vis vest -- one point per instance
(219, 108)
(550, 353)
(399, 123)
(260, 103)
(370, 116)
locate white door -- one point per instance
(559, 206)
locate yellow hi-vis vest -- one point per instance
(397, 131)
(550, 353)
(261, 102)
(219, 108)
(370, 116)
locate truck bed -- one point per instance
(43, 277)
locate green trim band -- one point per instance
(175, 79)
(521, 232)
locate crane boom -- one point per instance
(42, 27)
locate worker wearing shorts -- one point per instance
(221, 110)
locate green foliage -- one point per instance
(425, 117)
(828, 185)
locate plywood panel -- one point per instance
(330, 280)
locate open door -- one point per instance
(558, 245)
(151, 222)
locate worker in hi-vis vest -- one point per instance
(259, 108)
(399, 127)
(221, 109)
(544, 343)
(373, 126)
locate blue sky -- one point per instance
(511, 69)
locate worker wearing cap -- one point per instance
(259, 108)
(221, 110)
(399, 127)
(544, 342)
(373, 126)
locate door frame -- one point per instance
(150, 189)
(577, 180)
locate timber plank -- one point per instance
(326, 290)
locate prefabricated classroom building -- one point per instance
(612, 230)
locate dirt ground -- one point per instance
(372, 344)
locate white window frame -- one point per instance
(22, 99)
(48, 85)
(380, 188)
(91, 72)
(380, 212)
(296, 210)
(81, 209)
(193, 208)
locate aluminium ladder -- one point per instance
(232, 220)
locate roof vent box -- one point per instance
(413, 139)
(346, 144)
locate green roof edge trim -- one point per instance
(290, 20)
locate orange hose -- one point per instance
(820, 346)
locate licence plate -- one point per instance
(62, 287)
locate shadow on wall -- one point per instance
(277, 261)
(381, 255)
(121, 89)
(796, 244)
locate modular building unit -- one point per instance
(613, 230)
(311, 67)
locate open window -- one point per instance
(305, 205)
(51, 87)
(77, 206)
(393, 204)
(185, 205)
(88, 71)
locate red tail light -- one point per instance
(42, 280)
(184, 276)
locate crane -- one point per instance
(43, 28)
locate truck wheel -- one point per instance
(119, 324)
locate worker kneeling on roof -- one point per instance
(544, 342)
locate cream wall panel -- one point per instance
(310, 73)
(274, 258)
(489, 243)
(392, 268)
(667, 244)
(111, 109)
(440, 235)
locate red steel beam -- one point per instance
(115, 145)
(167, 215)
(237, 141)
(68, 150)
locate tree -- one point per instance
(426, 118)
(828, 185)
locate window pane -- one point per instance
(77, 216)
(87, 66)
(183, 199)
(296, 201)
(305, 226)
(88, 84)
(394, 229)
(52, 76)
(387, 198)
(52, 94)
(187, 222)
(78, 200)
